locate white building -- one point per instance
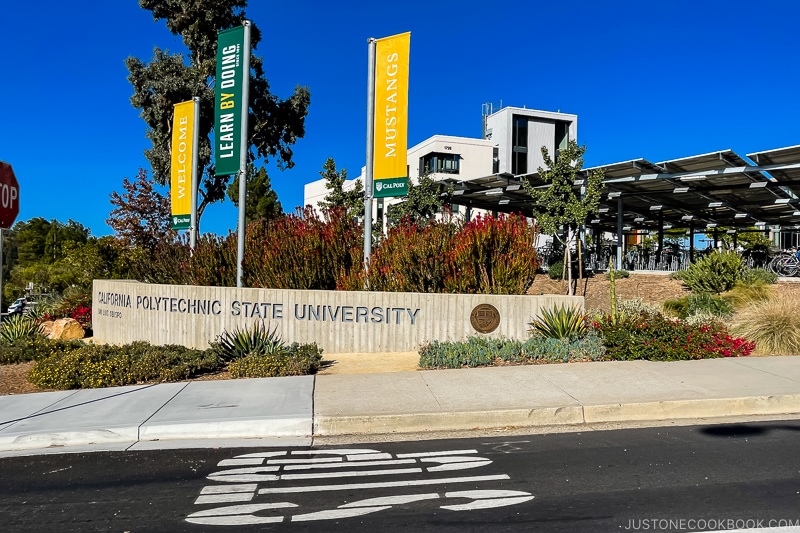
(512, 143)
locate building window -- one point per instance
(519, 143)
(439, 163)
(562, 137)
(495, 160)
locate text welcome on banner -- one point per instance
(183, 161)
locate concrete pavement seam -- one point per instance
(741, 362)
(139, 427)
(40, 412)
(583, 415)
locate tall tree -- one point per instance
(562, 206)
(262, 201)
(337, 197)
(274, 124)
(142, 215)
(40, 240)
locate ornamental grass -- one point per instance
(774, 325)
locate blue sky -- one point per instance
(658, 80)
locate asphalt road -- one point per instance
(660, 479)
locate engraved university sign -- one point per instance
(338, 321)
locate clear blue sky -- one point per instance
(648, 79)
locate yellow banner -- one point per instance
(183, 125)
(391, 106)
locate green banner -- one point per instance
(391, 187)
(228, 101)
(181, 221)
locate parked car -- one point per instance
(18, 306)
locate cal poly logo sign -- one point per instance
(391, 187)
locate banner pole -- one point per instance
(368, 178)
(195, 143)
(243, 153)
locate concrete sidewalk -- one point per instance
(292, 411)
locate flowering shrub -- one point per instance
(653, 337)
(302, 251)
(489, 255)
(93, 365)
(75, 303)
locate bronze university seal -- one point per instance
(485, 318)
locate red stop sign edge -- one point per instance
(9, 196)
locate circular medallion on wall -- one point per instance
(485, 318)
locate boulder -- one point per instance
(46, 328)
(66, 328)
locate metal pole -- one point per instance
(243, 152)
(195, 143)
(620, 238)
(370, 151)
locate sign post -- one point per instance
(9, 209)
(231, 111)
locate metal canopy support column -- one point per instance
(620, 238)
(691, 241)
(716, 238)
(597, 235)
(660, 236)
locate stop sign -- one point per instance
(9, 196)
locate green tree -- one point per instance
(274, 124)
(40, 240)
(562, 205)
(425, 199)
(337, 197)
(262, 201)
(142, 215)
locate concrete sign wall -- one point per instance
(338, 321)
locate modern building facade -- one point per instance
(512, 141)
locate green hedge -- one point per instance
(76, 365)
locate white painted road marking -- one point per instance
(435, 454)
(382, 485)
(352, 473)
(270, 468)
(238, 514)
(348, 465)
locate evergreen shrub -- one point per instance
(34, 348)
(618, 274)
(95, 365)
(294, 360)
(715, 273)
(699, 303)
(756, 276)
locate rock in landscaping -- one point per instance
(66, 328)
(46, 327)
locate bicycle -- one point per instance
(785, 263)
